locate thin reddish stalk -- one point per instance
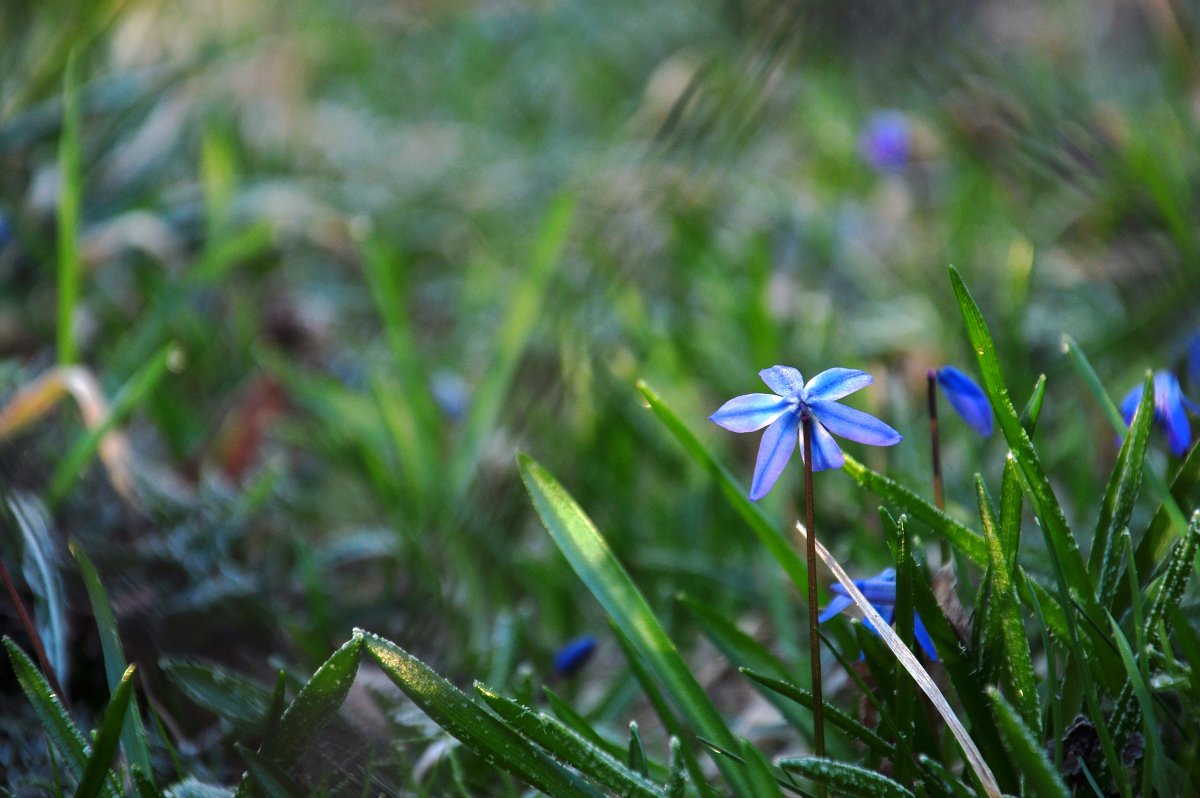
(38, 650)
(814, 638)
(939, 497)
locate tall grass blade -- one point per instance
(269, 777)
(1033, 408)
(133, 739)
(589, 555)
(905, 705)
(41, 568)
(226, 694)
(465, 720)
(763, 780)
(96, 771)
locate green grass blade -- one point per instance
(269, 777)
(833, 715)
(226, 694)
(774, 541)
(1006, 616)
(1059, 538)
(314, 706)
(70, 191)
(593, 561)
(143, 787)
(844, 778)
(514, 331)
(744, 652)
(59, 727)
(42, 569)
(1033, 408)
(1170, 592)
(468, 722)
(967, 541)
(637, 754)
(676, 770)
(1185, 492)
(1010, 514)
(570, 747)
(1028, 756)
(1154, 755)
(133, 739)
(763, 781)
(132, 394)
(96, 771)
(1120, 495)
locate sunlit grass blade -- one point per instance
(776, 544)
(516, 326)
(133, 738)
(314, 706)
(270, 778)
(226, 694)
(132, 394)
(571, 748)
(591, 558)
(468, 722)
(763, 781)
(844, 778)
(967, 541)
(70, 191)
(1006, 616)
(743, 651)
(1010, 514)
(832, 714)
(96, 772)
(1120, 495)
(1028, 756)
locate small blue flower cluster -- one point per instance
(880, 590)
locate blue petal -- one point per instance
(826, 454)
(967, 398)
(886, 611)
(1168, 406)
(923, 638)
(750, 412)
(853, 424)
(836, 383)
(880, 589)
(784, 380)
(835, 607)
(574, 655)
(778, 443)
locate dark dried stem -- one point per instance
(814, 636)
(939, 497)
(39, 650)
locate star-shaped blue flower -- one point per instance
(967, 398)
(782, 412)
(880, 590)
(1170, 410)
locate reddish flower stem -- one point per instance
(814, 637)
(939, 497)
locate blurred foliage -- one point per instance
(379, 246)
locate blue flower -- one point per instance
(1170, 410)
(885, 142)
(574, 655)
(967, 398)
(880, 590)
(782, 412)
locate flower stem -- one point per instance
(814, 637)
(939, 498)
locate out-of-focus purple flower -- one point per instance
(880, 590)
(1170, 410)
(451, 394)
(571, 658)
(967, 398)
(782, 412)
(5, 231)
(885, 142)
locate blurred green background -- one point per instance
(338, 262)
